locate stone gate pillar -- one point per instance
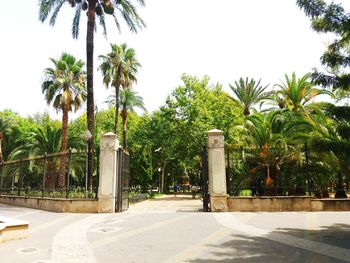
(217, 171)
(108, 173)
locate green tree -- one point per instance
(92, 8)
(64, 87)
(334, 138)
(119, 68)
(249, 93)
(331, 18)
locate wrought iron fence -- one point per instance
(278, 171)
(57, 175)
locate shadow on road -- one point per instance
(246, 249)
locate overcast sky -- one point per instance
(224, 39)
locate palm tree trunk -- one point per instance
(90, 87)
(124, 115)
(50, 176)
(117, 88)
(64, 147)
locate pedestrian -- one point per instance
(194, 191)
(175, 189)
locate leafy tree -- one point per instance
(331, 18)
(180, 127)
(119, 68)
(249, 93)
(64, 87)
(92, 8)
(335, 139)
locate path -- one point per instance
(172, 231)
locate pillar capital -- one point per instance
(109, 142)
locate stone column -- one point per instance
(108, 173)
(217, 171)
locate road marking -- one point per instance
(193, 251)
(70, 244)
(134, 232)
(230, 221)
(27, 250)
(106, 229)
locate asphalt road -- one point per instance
(175, 231)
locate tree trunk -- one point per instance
(50, 177)
(90, 87)
(124, 115)
(117, 88)
(64, 147)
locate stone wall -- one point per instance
(53, 204)
(285, 203)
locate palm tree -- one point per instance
(64, 87)
(119, 68)
(128, 99)
(296, 94)
(92, 8)
(249, 93)
(274, 139)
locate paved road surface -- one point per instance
(174, 231)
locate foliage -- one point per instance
(119, 68)
(331, 18)
(249, 93)
(64, 87)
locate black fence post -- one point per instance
(228, 175)
(19, 179)
(68, 172)
(97, 171)
(308, 183)
(1, 175)
(205, 180)
(44, 177)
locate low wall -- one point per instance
(330, 205)
(53, 204)
(285, 203)
(268, 204)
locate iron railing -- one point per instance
(41, 176)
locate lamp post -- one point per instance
(160, 185)
(86, 136)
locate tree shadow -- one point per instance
(248, 249)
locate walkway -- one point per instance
(172, 231)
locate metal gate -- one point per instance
(204, 180)
(123, 174)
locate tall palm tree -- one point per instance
(119, 68)
(64, 87)
(129, 100)
(296, 94)
(249, 93)
(92, 8)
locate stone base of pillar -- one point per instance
(218, 203)
(106, 205)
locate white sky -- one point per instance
(225, 39)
